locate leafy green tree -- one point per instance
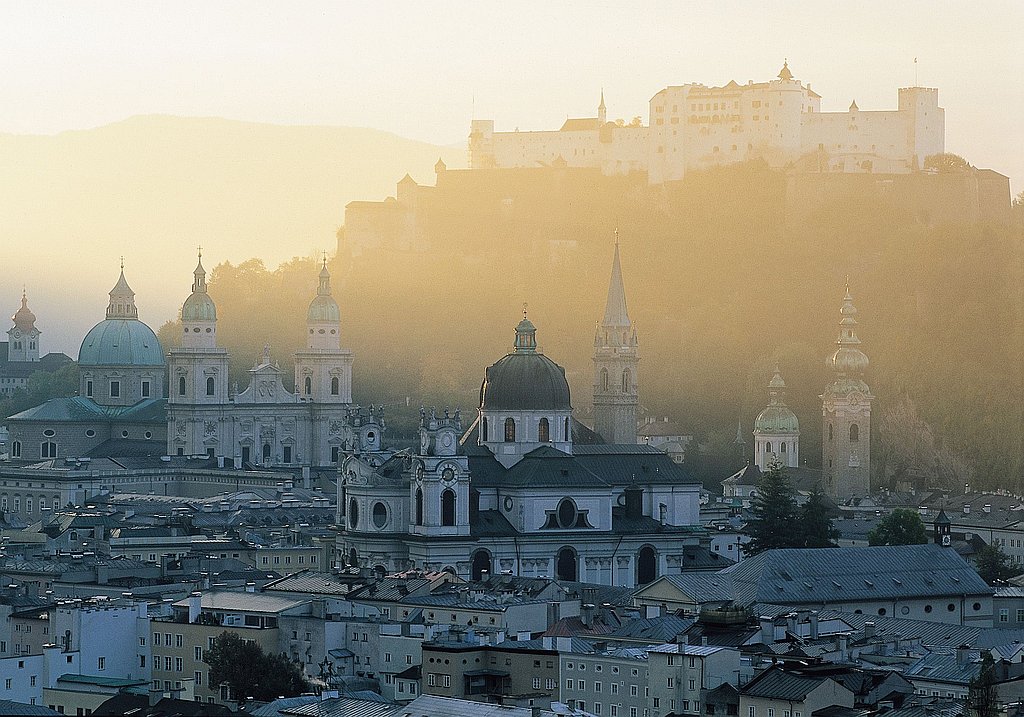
(814, 520)
(250, 672)
(982, 694)
(774, 524)
(41, 387)
(900, 527)
(993, 566)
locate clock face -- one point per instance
(448, 474)
(446, 440)
(17, 333)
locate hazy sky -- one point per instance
(418, 69)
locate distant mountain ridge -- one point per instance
(153, 187)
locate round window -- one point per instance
(927, 608)
(976, 606)
(353, 513)
(905, 610)
(49, 433)
(380, 514)
(951, 607)
(508, 503)
(124, 434)
(90, 433)
(148, 434)
(370, 435)
(448, 474)
(881, 611)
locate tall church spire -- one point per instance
(846, 413)
(602, 111)
(616, 358)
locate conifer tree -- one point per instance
(815, 522)
(774, 524)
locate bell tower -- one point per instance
(23, 337)
(616, 356)
(846, 414)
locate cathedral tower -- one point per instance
(846, 413)
(776, 430)
(616, 355)
(323, 370)
(198, 379)
(23, 337)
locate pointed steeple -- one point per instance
(602, 112)
(740, 440)
(615, 314)
(199, 283)
(122, 299)
(784, 73)
(324, 289)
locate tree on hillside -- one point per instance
(250, 672)
(814, 521)
(900, 527)
(993, 566)
(774, 524)
(41, 387)
(982, 694)
(947, 162)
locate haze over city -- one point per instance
(419, 72)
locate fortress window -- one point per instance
(854, 432)
(287, 454)
(335, 386)
(88, 389)
(181, 385)
(448, 508)
(209, 386)
(145, 389)
(543, 431)
(510, 430)
(115, 389)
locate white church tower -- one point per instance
(198, 377)
(323, 370)
(776, 430)
(616, 355)
(23, 337)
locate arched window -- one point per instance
(47, 449)
(543, 431)
(419, 506)
(209, 386)
(485, 437)
(782, 447)
(627, 381)
(335, 386)
(768, 447)
(604, 379)
(16, 449)
(308, 385)
(266, 452)
(854, 432)
(646, 565)
(510, 430)
(353, 513)
(830, 431)
(181, 385)
(448, 508)
(353, 558)
(481, 564)
(566, 565)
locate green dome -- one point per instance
(776, 419)
(323, 309)
(120, 342)
(199, 307)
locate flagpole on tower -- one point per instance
(915, 72)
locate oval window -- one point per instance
(148, 434)
(124, 434)
(90, 433)
(380, 514)
(353, 513)
(49, 433)
(566, 513)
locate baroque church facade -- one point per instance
(265, 424)
(524, 488)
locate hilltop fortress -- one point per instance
(693, 126)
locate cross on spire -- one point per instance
(524, 309)
(122, 262)
(200, 252)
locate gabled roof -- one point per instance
(827, 575)
(776, 683)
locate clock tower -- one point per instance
(23, 337)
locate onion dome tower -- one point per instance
(120, 360)
(776, 430)
(199, 313)
(323, 370)
(616, 359)
(524, 401)
(23, 337)
(846, 412)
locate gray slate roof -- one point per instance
(797, 576)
